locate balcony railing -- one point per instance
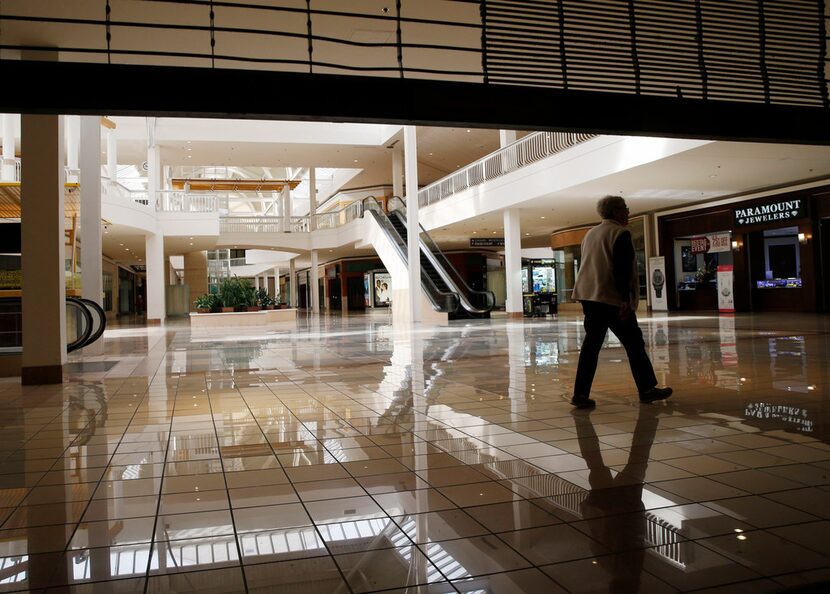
(263, 225)
(337, 218)
(173, 201)
(533, 147)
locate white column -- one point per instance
(276, 294)
(410, 144)
(9, 135)
(112, 157)
(315, 284)
(513, 262)
(154, 248)
(292, 287)
(256, 282)
(42, 248)
(90, 166)
(73, 146)
(312, 198)
(397, 173)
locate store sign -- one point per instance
(487, 242)
(139, 267)
(707, 244)
(783, 210)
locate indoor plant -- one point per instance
(231, 294)
(264, 300)
(207, 303)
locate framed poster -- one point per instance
(657, 283)
(726, 297)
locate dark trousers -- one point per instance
(599, 318)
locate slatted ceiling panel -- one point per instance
(791, 48)
(763, 51)
(525, 35)
(10, 201)
(668, 57)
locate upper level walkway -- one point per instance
(536, 169)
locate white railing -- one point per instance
(177, 201)
(263, 225)
(533, 147)
(337, 218)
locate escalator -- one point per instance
(85, 324)
(442, 274)
(441, 299)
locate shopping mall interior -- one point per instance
(286, 297)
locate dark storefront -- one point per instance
(774, 245)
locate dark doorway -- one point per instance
(334, 295)
(824, 239)
(782, 261)
(355, 291)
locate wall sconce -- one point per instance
(736, 245)
(802, 238)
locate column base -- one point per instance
(43, 374)
(515, 315)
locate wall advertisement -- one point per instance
(657, 283)
(726, 296)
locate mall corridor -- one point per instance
(342, 456)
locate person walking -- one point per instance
(608, 287)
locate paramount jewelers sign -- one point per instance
(783, 210)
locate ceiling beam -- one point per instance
(399, 101)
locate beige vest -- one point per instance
(595, 281)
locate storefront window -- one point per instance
(567, 265)
(696, 259)
(782, 259)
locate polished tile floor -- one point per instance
(344, 455)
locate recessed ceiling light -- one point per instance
(189, 156)
(468, 129)
(474, 232)
(527, 233)
(191, 243)
(188, 142)
(355, 160)
(494, 232)
(121, 244)
(542, 217)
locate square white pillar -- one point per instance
(513, 262)
(42, 248)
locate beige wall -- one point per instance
(196, 275)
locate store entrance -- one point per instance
(824, 241)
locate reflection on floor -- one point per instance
(344, 455)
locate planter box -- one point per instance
(242, 318)
(253, 308)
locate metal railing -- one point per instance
(533, 147)
(758, 52)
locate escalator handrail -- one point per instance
(451, 300)
(96, 310)
(82, 340)
(444, 267)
